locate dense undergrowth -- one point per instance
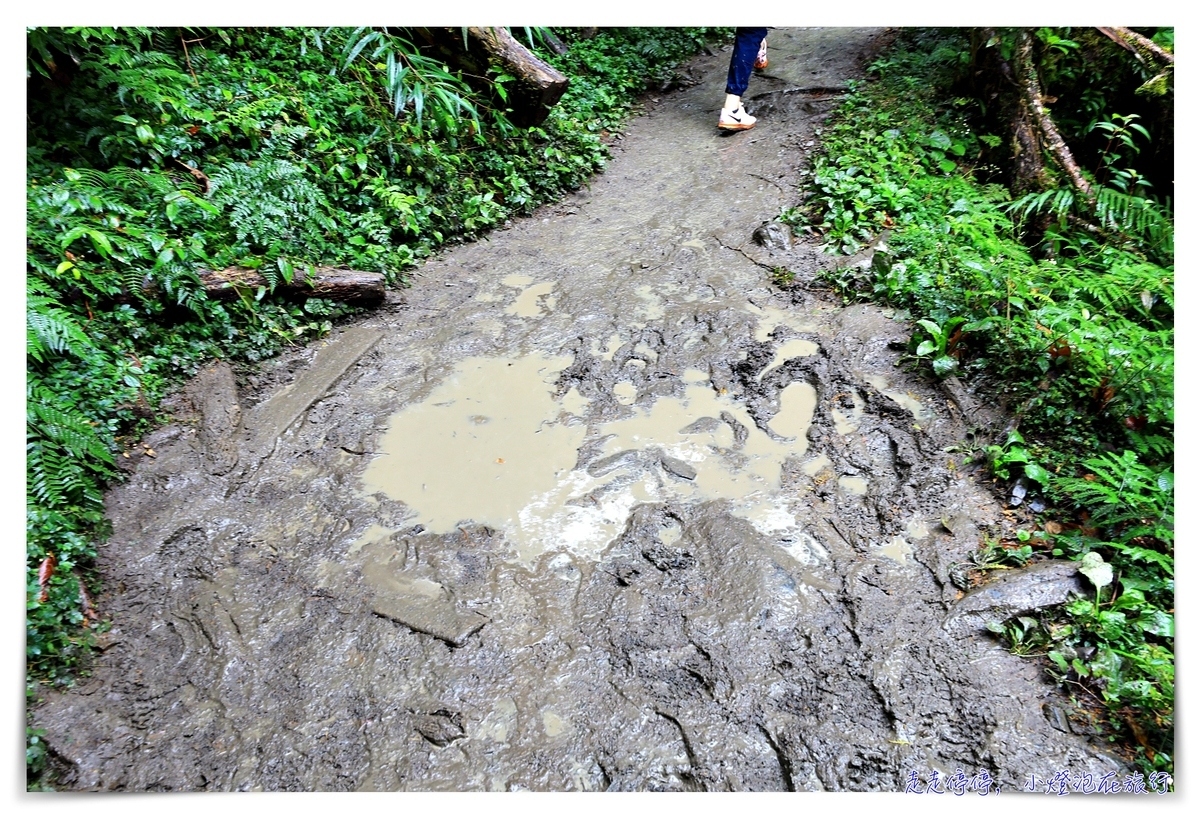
(153, 153)
(1060, 309)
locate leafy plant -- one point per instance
(412, 80)
(1013, 453)
(1127, 499)
(939, 344)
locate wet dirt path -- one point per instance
(592, 506)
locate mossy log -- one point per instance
(325, 282)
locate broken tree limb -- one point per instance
(325, 282)
(1031, 91)
(1146, 50)
(536, 87)
(1149, 54)
(195, 173)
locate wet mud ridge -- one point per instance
(592, 506)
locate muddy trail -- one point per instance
(591, 506)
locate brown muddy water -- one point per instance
(591, 506)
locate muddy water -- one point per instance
(592, 506)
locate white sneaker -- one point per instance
(736, 120)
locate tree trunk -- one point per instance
(537, 86)
(1013, 88)
(1031, 91)
(553, 43)
(336, 285)
(994, 82)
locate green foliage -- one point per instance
(273, 209)
(1012, 458)
(412, 80)
(1063, 303)
(1129, 499)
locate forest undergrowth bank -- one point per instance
(1055, 301)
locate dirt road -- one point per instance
(593, 505)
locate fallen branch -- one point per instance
(195, 173)
(45, 573)
(536, 85)
(86, 605)
(553, 43)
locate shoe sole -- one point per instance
(735, 127)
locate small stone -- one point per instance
(677, 467)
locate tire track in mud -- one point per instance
(727, 569)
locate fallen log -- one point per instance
(536, 87)
(324, 282)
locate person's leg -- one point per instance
(746, 43)
(741, 64)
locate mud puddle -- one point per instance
(592, 506)
(491, 446)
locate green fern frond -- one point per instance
(69, 429)
(273, 202)
(1116, 211)
(50, 328)
(1122, 490)
(1137, 216)
(1152, 447)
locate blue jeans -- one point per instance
(745, 50)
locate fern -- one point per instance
(50, 328)
(1143, 219)
(65, 426)
(271, 205)
(1138, 216)
(1125, 286)
(1152, 447)
(1123, 494)
(66, 459)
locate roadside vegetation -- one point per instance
(1049, 290)
(156, 152)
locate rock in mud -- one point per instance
(440, 727)
(626, 459)
(701, 426)
(423, 606)
(774, 236)
(676, 467)
(1016, 592)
